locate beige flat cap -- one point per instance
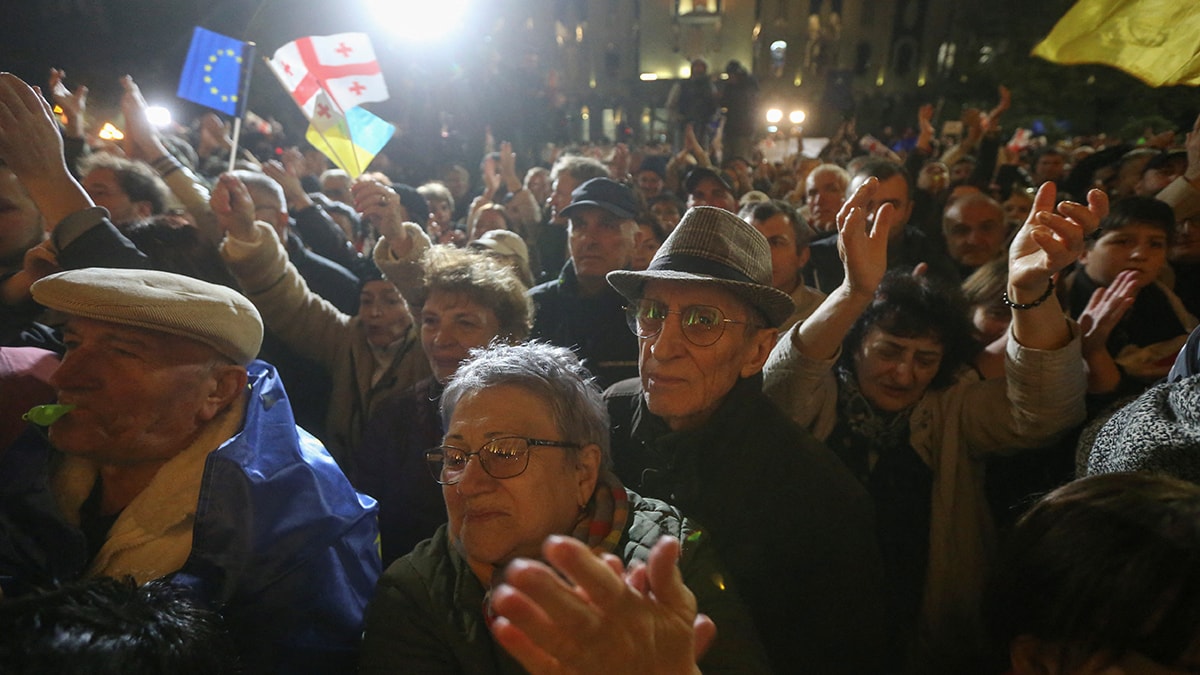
(217, 316)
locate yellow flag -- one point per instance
(1157, 41)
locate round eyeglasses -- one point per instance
(504, 457)
(702, 325)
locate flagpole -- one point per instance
(320, 133)
(243, 100)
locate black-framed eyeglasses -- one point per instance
(702, 325)
(503, 457)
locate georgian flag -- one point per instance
(343, 65)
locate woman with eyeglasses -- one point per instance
(526, 456)
(875, 373)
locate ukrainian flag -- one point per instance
(212, 74)
(351, 142)
(1157, 41)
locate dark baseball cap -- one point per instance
(700, 173)
(606, 194)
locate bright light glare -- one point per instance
(796, 117)
(110, 133)
(418, 20)
(159, 116)
(648, 77)
(774, 115)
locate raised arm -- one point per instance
(862, 245)
(1049, 240)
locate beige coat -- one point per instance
(317, 330)
(952, 429)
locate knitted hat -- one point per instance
(714, 247)
(169, 303)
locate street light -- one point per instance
(418, 20)
(796, 117)
(159, 116)
(774, 115)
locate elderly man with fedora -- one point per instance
(793, 527)
(578, 309)
(173, 453)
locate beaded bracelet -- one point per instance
(1030, 305)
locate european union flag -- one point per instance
(212, 74)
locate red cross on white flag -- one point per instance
(344, 65)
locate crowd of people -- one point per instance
(641, 409)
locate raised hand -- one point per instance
(289, 180)
(1051, 239)
(231, 203)
(141, 138)
(595, 621)
(1105, 309)
(74, 106)
(862, 244)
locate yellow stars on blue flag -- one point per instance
(212, 73)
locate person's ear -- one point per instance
(758, 348)
(226, 385)
(803, 256)
(587, 471)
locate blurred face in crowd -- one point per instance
(1137, 246)
(452, 324)
(457, 181)
(494, 520)
(337, 188)
(600, 242)
(488, 220)
(685, 383)
(1050, 166)
(892, 191)
(975, 230)
(825, 196)
(648, 244)
(560, 197)
(538, 183)
(440, 212)
(1186, 247)
(21, 225)
(667, 213)
(786, 261)
(383, 313)
(1017, 208)
(105, 189)
(894, 372)
(712, 192)
(650, 183)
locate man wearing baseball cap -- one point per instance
(578, 309)
(173, 453)
(792, 525)
(708, 187)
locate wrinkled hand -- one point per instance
(29, 139)
(862, 244)
(1051, 239)
(40, 261)
(597, 622)
(74, 106)
(379, 205)
(141, 138)
(1105, 310)
(231, 203)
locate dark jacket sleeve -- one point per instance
(325, 238)
(88, 239)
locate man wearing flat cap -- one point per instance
(708, 187)
(178, 457)
(792, 525)
(578, 309)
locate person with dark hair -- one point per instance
(1101, 576)
(1127, 258)
(667, 209)
(789, 236)
(874, 372)
(908, 245)
(130, 190)
(109, 626)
